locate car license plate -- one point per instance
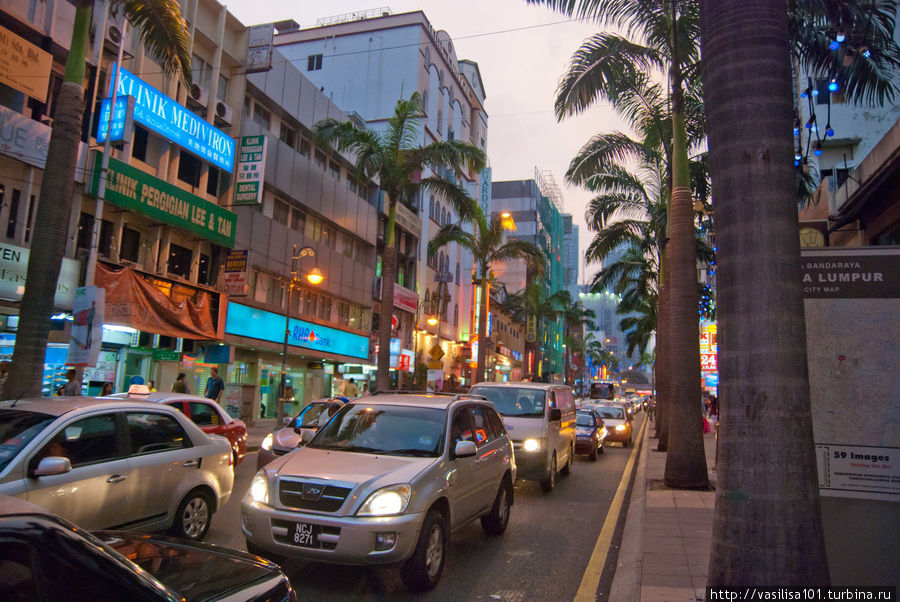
(305, 535)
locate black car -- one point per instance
(45, 558)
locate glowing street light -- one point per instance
(315, 276)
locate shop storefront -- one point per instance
(320, 359)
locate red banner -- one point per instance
(132, 300)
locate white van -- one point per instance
(540, 420)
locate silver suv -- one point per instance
(114, 464)
(386, 481)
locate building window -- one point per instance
(180, 260)
(313, 229)
(287, 135)
(281, 212)
(314, 62)
(303, 149)
(310, 303)
(203, 272)
(262, 116)
(297, 220)
(356, 316)
(425, 102)
(320, 160)
(335, 170)
(222, 90)
(130, 246)
(212, 181)
(29, 218)
(189, 169)
(440, 123)
(427, 57)
(325, 308)
(85, 224)
(139, 143)
(328, 237)
(455, 314)
(457, 272)
(344, 314)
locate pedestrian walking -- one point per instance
(180, 386)
(107, 389)
(152, 385)
(215, 386)
(350, 389)
(71, 388)
(4, 374)
(365, 390)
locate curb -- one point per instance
(626, 584)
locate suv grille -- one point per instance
(290, 494)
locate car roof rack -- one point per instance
(408, 392)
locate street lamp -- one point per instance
(430, 320)
(314, 277)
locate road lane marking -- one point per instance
(590, 581)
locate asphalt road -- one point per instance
(542, 555)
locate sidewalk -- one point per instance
(666, 541)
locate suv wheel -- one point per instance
(194, 516)
(423, 570)
(549, 483)
(567, 468)
(494, 523)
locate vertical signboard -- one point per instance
(119, 123)
(87, 326)
(484, 198)
(236, 273)
(250, 169)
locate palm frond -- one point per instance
(163, 32)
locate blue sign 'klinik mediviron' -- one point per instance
(166, 117)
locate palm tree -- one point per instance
(164, 33)
(397, 159)
(487, 245)
(575, 317)
(767, 525)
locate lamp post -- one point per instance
(314, 277)
(430, 320)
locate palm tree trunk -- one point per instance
(388, 277)
(767, 526)
(48, 243)
(482, 329)
(685, 458)
(662, 354)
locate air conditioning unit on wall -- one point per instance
(198, 96)
(223, 114)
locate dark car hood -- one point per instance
(195, 571)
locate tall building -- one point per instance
(166, 222)
(365, 62)
(571, 256)
(308, 212)
(535, 207)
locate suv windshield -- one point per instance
(384, 429)
(17, 428)
(514, 401)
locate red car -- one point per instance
(205, 413)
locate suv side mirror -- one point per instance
(286, 420)
(52, 465)
(555, 414)
(464, 449)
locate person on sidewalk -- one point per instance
(350, 389)
(180, 385)
(215, 386)
(71, 388)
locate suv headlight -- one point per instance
(259, 487)
(387, 501)
(621, 427)
(531, 445)
(267, 442)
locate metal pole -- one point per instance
(287, 332)
(104, 167)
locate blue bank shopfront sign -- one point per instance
(246, 321)
(167, 118)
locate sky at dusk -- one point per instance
(521, 51)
